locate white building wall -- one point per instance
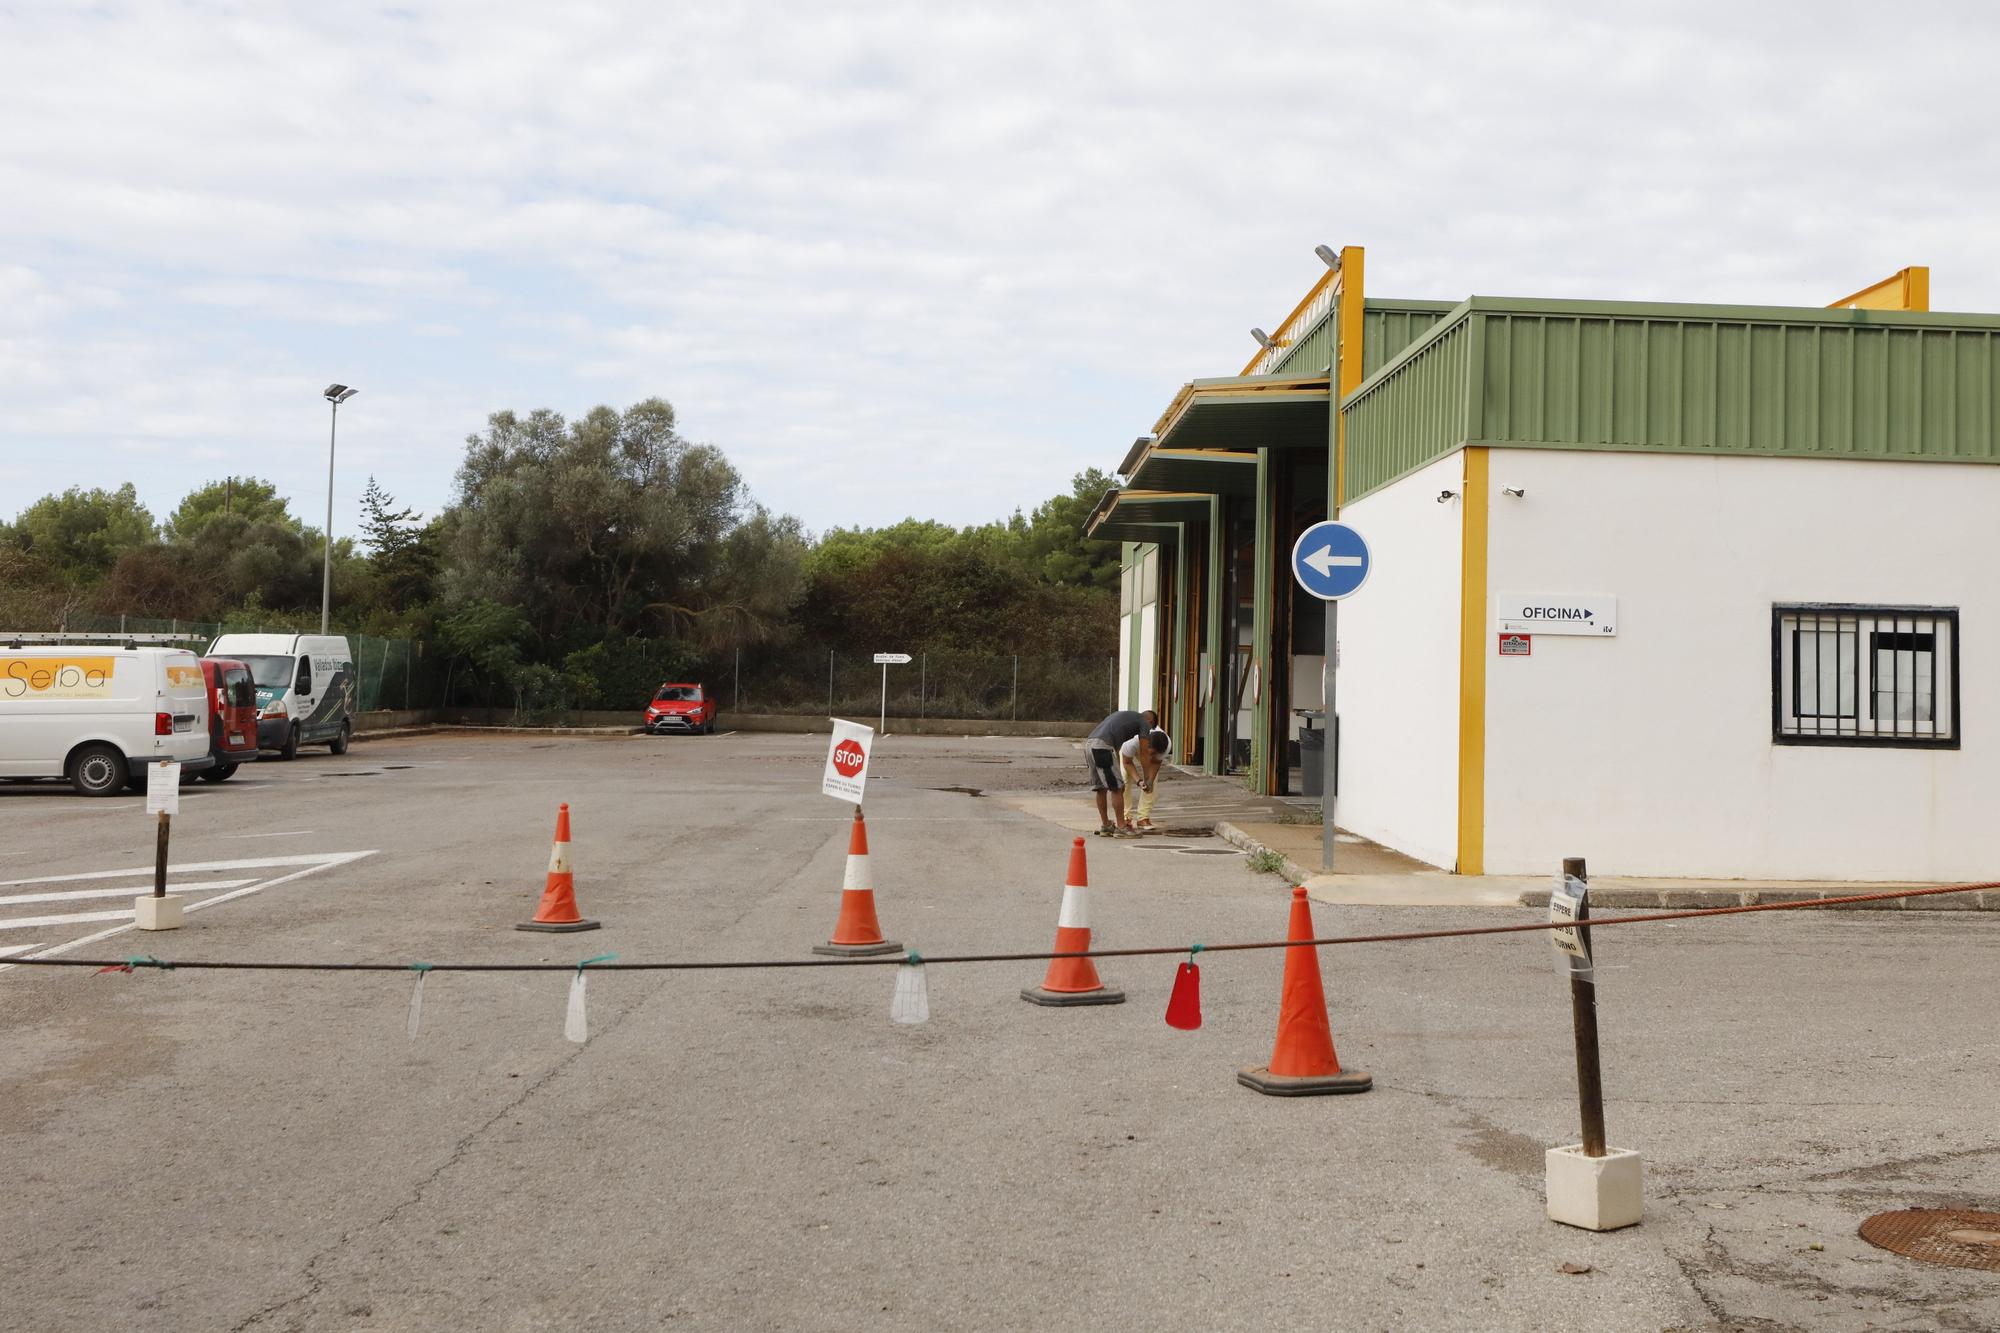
(1398, 673)
(1650, 753)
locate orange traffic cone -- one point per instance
(558, 910)
(1303, 1063)
(1073, 980)
(857, 933)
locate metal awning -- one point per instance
(1144, 516)
(1202, 471)
(1248, 413)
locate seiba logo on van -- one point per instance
(184, 677)
(57, 677)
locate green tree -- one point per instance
(612, 525)
(248, 498)
(80, 533)
(403, 551)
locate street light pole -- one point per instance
(336, 394)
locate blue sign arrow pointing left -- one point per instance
(1330, 560)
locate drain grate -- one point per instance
(1955, 1236)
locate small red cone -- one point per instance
(558, 913)
(1184, 1005)
(1072, 981)
(857, 934)
(1302, 1062)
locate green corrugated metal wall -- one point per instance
(1778, 382)
(1387, 328)
(1416, 413)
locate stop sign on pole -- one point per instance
(847, 761)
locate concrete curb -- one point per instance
(1683, 899)
(1289, 868)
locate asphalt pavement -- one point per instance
(764, 1148)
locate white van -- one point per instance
(97, 714)
(306, 688)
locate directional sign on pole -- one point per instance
(893, 659)
(1330, 561)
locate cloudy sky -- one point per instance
(894, 259)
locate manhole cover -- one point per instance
(1955, 1236)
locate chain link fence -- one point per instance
(973, 686)
(405, 673)
(391, 671)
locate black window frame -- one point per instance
(1865, 642)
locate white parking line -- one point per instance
(123, 890)
(309, 865)
(9, 950)
(41, 922)
(294, 833)
(248, 863)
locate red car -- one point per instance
(681, 708)
(232, 715)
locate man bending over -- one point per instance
(1101, 750)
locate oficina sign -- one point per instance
(1595, 614)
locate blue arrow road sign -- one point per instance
(1330, 561)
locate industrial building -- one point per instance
(1694, 590)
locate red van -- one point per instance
(232, 715)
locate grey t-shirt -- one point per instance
(1120, 727)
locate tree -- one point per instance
(611, 525)
(403, 550)
(248, 498)
(80, 533)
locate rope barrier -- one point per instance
(603, 963)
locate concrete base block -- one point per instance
(1283, 1085)
(858, 950)
(1060, 999)
(158, 913)
(1595, 1193)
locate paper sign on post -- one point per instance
(1567, 903)
(163, 788)
(847, 761)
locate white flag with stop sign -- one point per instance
(847, 760)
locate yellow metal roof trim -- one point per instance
(1905, 289)
(1281, 336)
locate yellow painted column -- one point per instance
(1472, 651)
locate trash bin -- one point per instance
(1312, 762)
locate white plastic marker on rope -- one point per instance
(576, 1026)
(417, 998)
(912, 1000)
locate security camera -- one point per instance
(1447, 495)
(1516, 491)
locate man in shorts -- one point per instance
(1101, 751)
(1141, 759)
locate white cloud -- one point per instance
(892, 258)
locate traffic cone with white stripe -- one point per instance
(1302, 1062)
(558, 913)
(1073, 980)
(857, 933)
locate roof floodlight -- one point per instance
(1328, 256)
(1263, 338)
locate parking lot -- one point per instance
(763, 1148)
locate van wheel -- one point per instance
(220, 773)
(290, 749)
(339, 743)
(98, 770)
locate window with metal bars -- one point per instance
(1865, 675)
